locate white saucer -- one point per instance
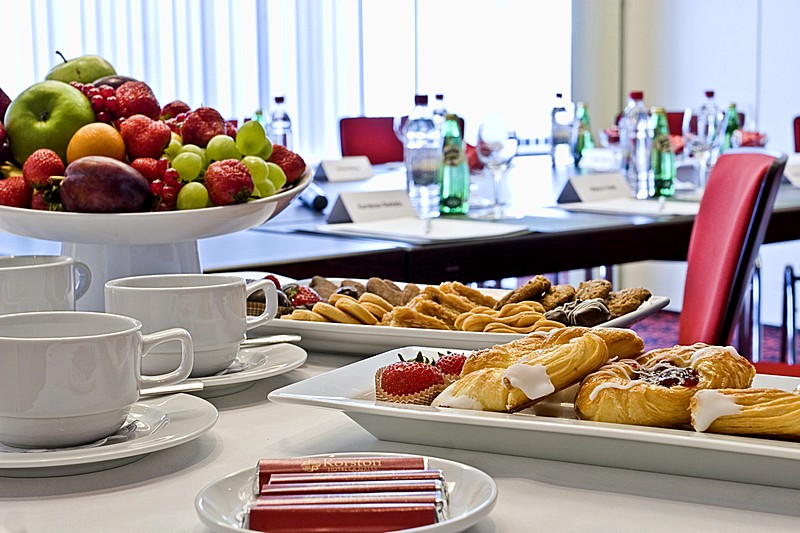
(473, 494)
(258, 362)
(163, 422)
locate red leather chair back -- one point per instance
(796, 124)
(726, 236)
(373, 137)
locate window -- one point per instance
(329, 58)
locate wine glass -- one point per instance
(701, 140)
(496, 147)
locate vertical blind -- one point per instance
(329, 58)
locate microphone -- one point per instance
(314, 197)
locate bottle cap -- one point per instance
(709, 94)
(450, 116)
(420, 99)
(559, 95)
(440, 97)
(637, 95)
(657, 110)
(279, 99)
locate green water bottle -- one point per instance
(454, 170)
(731, 125)
(581, 131)
(662, 156)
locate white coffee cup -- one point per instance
(211, 307)
(41, 283)
(70, 378)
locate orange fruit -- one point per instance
(97, 138)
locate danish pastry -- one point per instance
(759, 412)
(482, 390)
(552, 369)
(655, 389)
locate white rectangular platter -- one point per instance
(355, 339)
(557, 436)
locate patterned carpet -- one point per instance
(660, 330)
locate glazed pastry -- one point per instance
(580, 313)
(503, 355)
(656, 388)
(531, 290)
(759, 412)
(482, 390)
(551, 369)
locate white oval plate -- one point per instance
(259, 362)
(147, 228)
(473, 494)
(166, 421)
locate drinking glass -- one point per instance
(701, 139)
(496, 147)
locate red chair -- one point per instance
(796, 125)
(373, 137)
(727, 233)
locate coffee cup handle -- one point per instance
(270, 309)
(83, 278)
(187, 357)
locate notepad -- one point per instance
(416, 231)
(631, 206)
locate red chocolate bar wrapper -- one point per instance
(375, 475)
(436, 498)
(345, 518)
(267, 467)
(353, 487)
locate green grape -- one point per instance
(197, 150)
(264, 187)
(276, 175)
(267, 151)
(189, 165)
(172, 149)
(222, 147)
(193, 195)
(257, 167)
(251, 138)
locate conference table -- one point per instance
(157, 491)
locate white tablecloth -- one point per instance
(156, 493)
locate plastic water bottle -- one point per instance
(422, 147)
(639, 137)
(709, 121)
(439, 110)
(560, 128)
(627, 127)
(280, 125)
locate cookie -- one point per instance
(532, 290)
(627, 300)
(557, 295)
(593, 288)
(323, 286)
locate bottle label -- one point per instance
(452, 154)
(661, 143)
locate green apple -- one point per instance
(83, 69)
(46, 115)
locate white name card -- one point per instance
(594, 187)
(368, 206)
(792, 170)
(351, 168)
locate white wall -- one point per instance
(748, 51)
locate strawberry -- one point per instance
(136, 98)
(274, 280)
(38, 201)
(14, 192)
(40, 165)
(201, 125)
(410, 377)
(230, 128)
(174, 108)
(143, 136)
(451, 363)
(291, 163)
(151, 168)
(301, 296)
(228, 182)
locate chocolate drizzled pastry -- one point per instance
(586, 313)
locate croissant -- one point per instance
(552, 369)
(656, 388)
(481, 390)
(759, 412)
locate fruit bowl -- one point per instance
(116, 245)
